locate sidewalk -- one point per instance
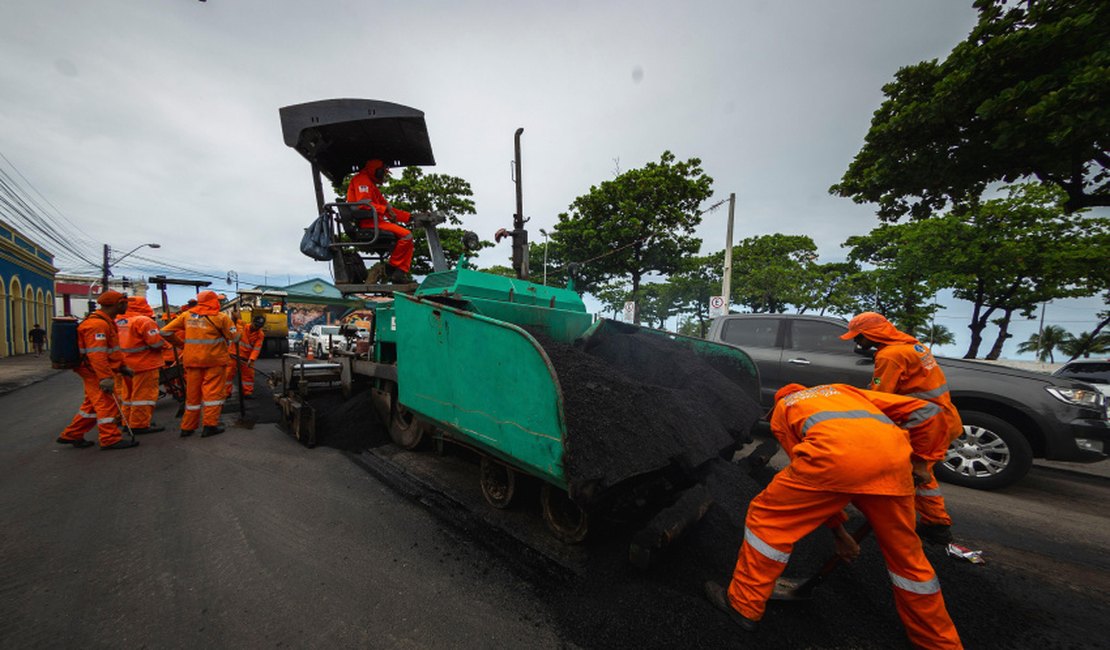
(24, 370)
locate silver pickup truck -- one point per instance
(1010, 416)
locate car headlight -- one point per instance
(1078, 396)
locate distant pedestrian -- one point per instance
(37, 335)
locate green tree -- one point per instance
(905, 277)
(698, 279)
(1085, 344)
(658, 302)
(934, 335)
(1027, 94)
(771, 272)
(829, 288)
(1046, 342)
(640, 223)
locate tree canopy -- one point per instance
(641, 222)
(1027, 94)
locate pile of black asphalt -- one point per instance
(636, 403)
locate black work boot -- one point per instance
(80, 443)
(719, 597)
(211, 431)
(940, 534)
(185, 433)
(151, 428)
(122, 443)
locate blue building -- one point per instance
(26, 290)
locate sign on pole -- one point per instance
(717, 306)
(629, 312)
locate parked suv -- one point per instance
(321, 339)
(1010, 416)
(1091, 371)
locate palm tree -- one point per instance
(934, 335)
(1050, 339)
(1085, 345)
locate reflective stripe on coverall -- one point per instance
(98, 343)
(142, 348)
(249, 349)
(207, 333)
(362, 187)
(906, 367)
(846, 446)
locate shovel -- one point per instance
(244, 422)
(795, 589)
(119, 407)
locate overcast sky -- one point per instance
(157, 121)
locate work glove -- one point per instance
(107, 385)
(126, 372)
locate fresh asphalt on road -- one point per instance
(245, 539)
(248, 539)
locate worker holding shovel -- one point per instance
(846, 445)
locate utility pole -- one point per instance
(104, 275)
(726, 282)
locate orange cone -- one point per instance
(309, 354)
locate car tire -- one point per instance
(990, 454)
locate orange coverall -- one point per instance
(142, 349)
(98, 342)
(204, 356)
(362, 187)
(845, 447)
(906, 367)
(248, 350)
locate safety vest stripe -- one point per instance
(126, 403)
(96, 349)
(144, 402)
(915, 587)
(930, 394)
(765, 549)
(922, 492)
(825, 416)
(105, 420)
(87, 416)
(141, 348)
(921, 415)
(214, 403)
(192, 407)
(204, 341)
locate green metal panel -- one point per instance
(466, 284)
(484, 380)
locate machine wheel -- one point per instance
(566, 521)
(989, 454)
(498, 483)
(405, 430)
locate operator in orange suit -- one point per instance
(364, 186)
(98, 342)
(208, 335)
(142, 348)
(245, 353)
(846, 445)
(906, 367)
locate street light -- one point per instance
(544, 233)
(108, 264)
(232, 276)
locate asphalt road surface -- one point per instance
(247, 539)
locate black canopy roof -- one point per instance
(340, 135)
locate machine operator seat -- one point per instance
(359, 225)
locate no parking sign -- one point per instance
(717, 306)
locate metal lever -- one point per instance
(799, 362)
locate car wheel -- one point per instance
(990, 453)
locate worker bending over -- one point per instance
(245, 353)
(98, 342)
(364, 186)
(208, 334)
(906, 367)
(142, 348)
(846, 445)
